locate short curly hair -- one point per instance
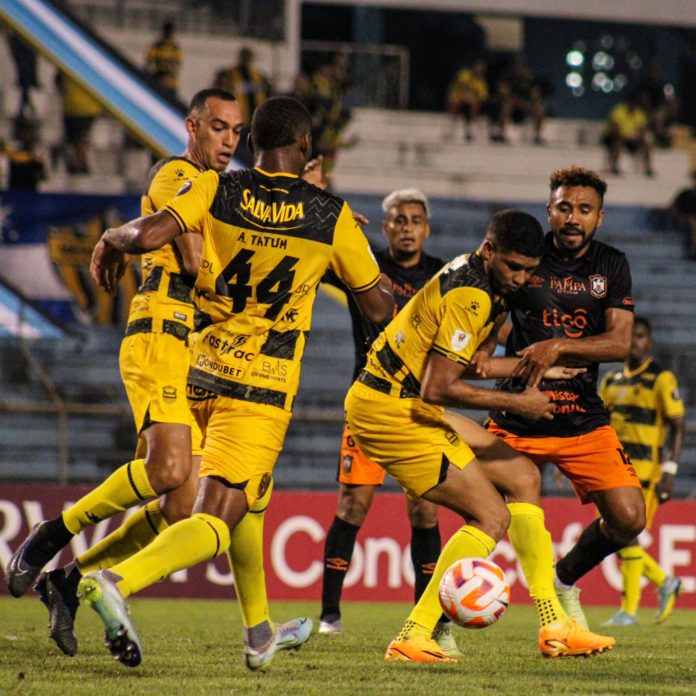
(578, 176)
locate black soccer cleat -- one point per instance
(58, 591)
(20, 575)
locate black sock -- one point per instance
(425, 550)
(590, 550)
(50, 539)
(338, 550)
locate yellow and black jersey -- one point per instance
(163, 302)
(267, 241)
(452, 314)
(639, 402)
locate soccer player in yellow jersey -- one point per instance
(395, 413)
(647, 412)
(154, 363)
(268, 238)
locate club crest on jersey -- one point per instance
(598, 286)
(184, 189)
(460, 339)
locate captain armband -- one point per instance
(670, 468)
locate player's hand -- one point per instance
(535, 360)
(360, 219)
(314, 173)
(107, 266)
(664, 489)
(534, 404)
(480, 363)
(563, 372)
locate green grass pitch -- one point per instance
(194, 647)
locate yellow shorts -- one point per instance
(355, 468)
(407, 437)
(241, 440)
(154, 367)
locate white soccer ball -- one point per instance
(474, 592)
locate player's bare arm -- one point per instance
(674, 441)
(377, 303)
(442, 385)
(612, 345)
(135, 237)
(190, 247)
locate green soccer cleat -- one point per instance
(569, 597)
(667, 595)
(443, 635)
(621, 618)
(101, 593)
(288, 636)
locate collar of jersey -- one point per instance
(641, 368)
(274, 174)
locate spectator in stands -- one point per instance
(164, 58)
(248, 83)
(330, 115)
(26, 166)
(647, 412)
(468, 96)
(627, 129)
(523, 96)
(660, 103)
(80, 109)
(683, 210)
(251, 88)
(24, 57)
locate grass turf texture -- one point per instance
(195, 647)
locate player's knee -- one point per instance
(352, 509)
(176, 509)
(525, 485)
(629, 524)
(168, 471)
(422, 514)
(497, 522)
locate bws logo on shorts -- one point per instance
(400, 339)
(598, 286)
(460, 340)
(169, 393)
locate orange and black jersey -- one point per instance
(566, 299)
(452, 315)
(406, 282)
(268, 238)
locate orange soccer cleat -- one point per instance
(569, 639)
(416, 649)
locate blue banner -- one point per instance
(46, 242)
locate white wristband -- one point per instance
(670, 468)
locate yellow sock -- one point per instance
(200, 538)
(246, 560)
(126, 487)
(466, 541)
(532, 543)
(652, 570)
(134, 534)
(631, 573)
